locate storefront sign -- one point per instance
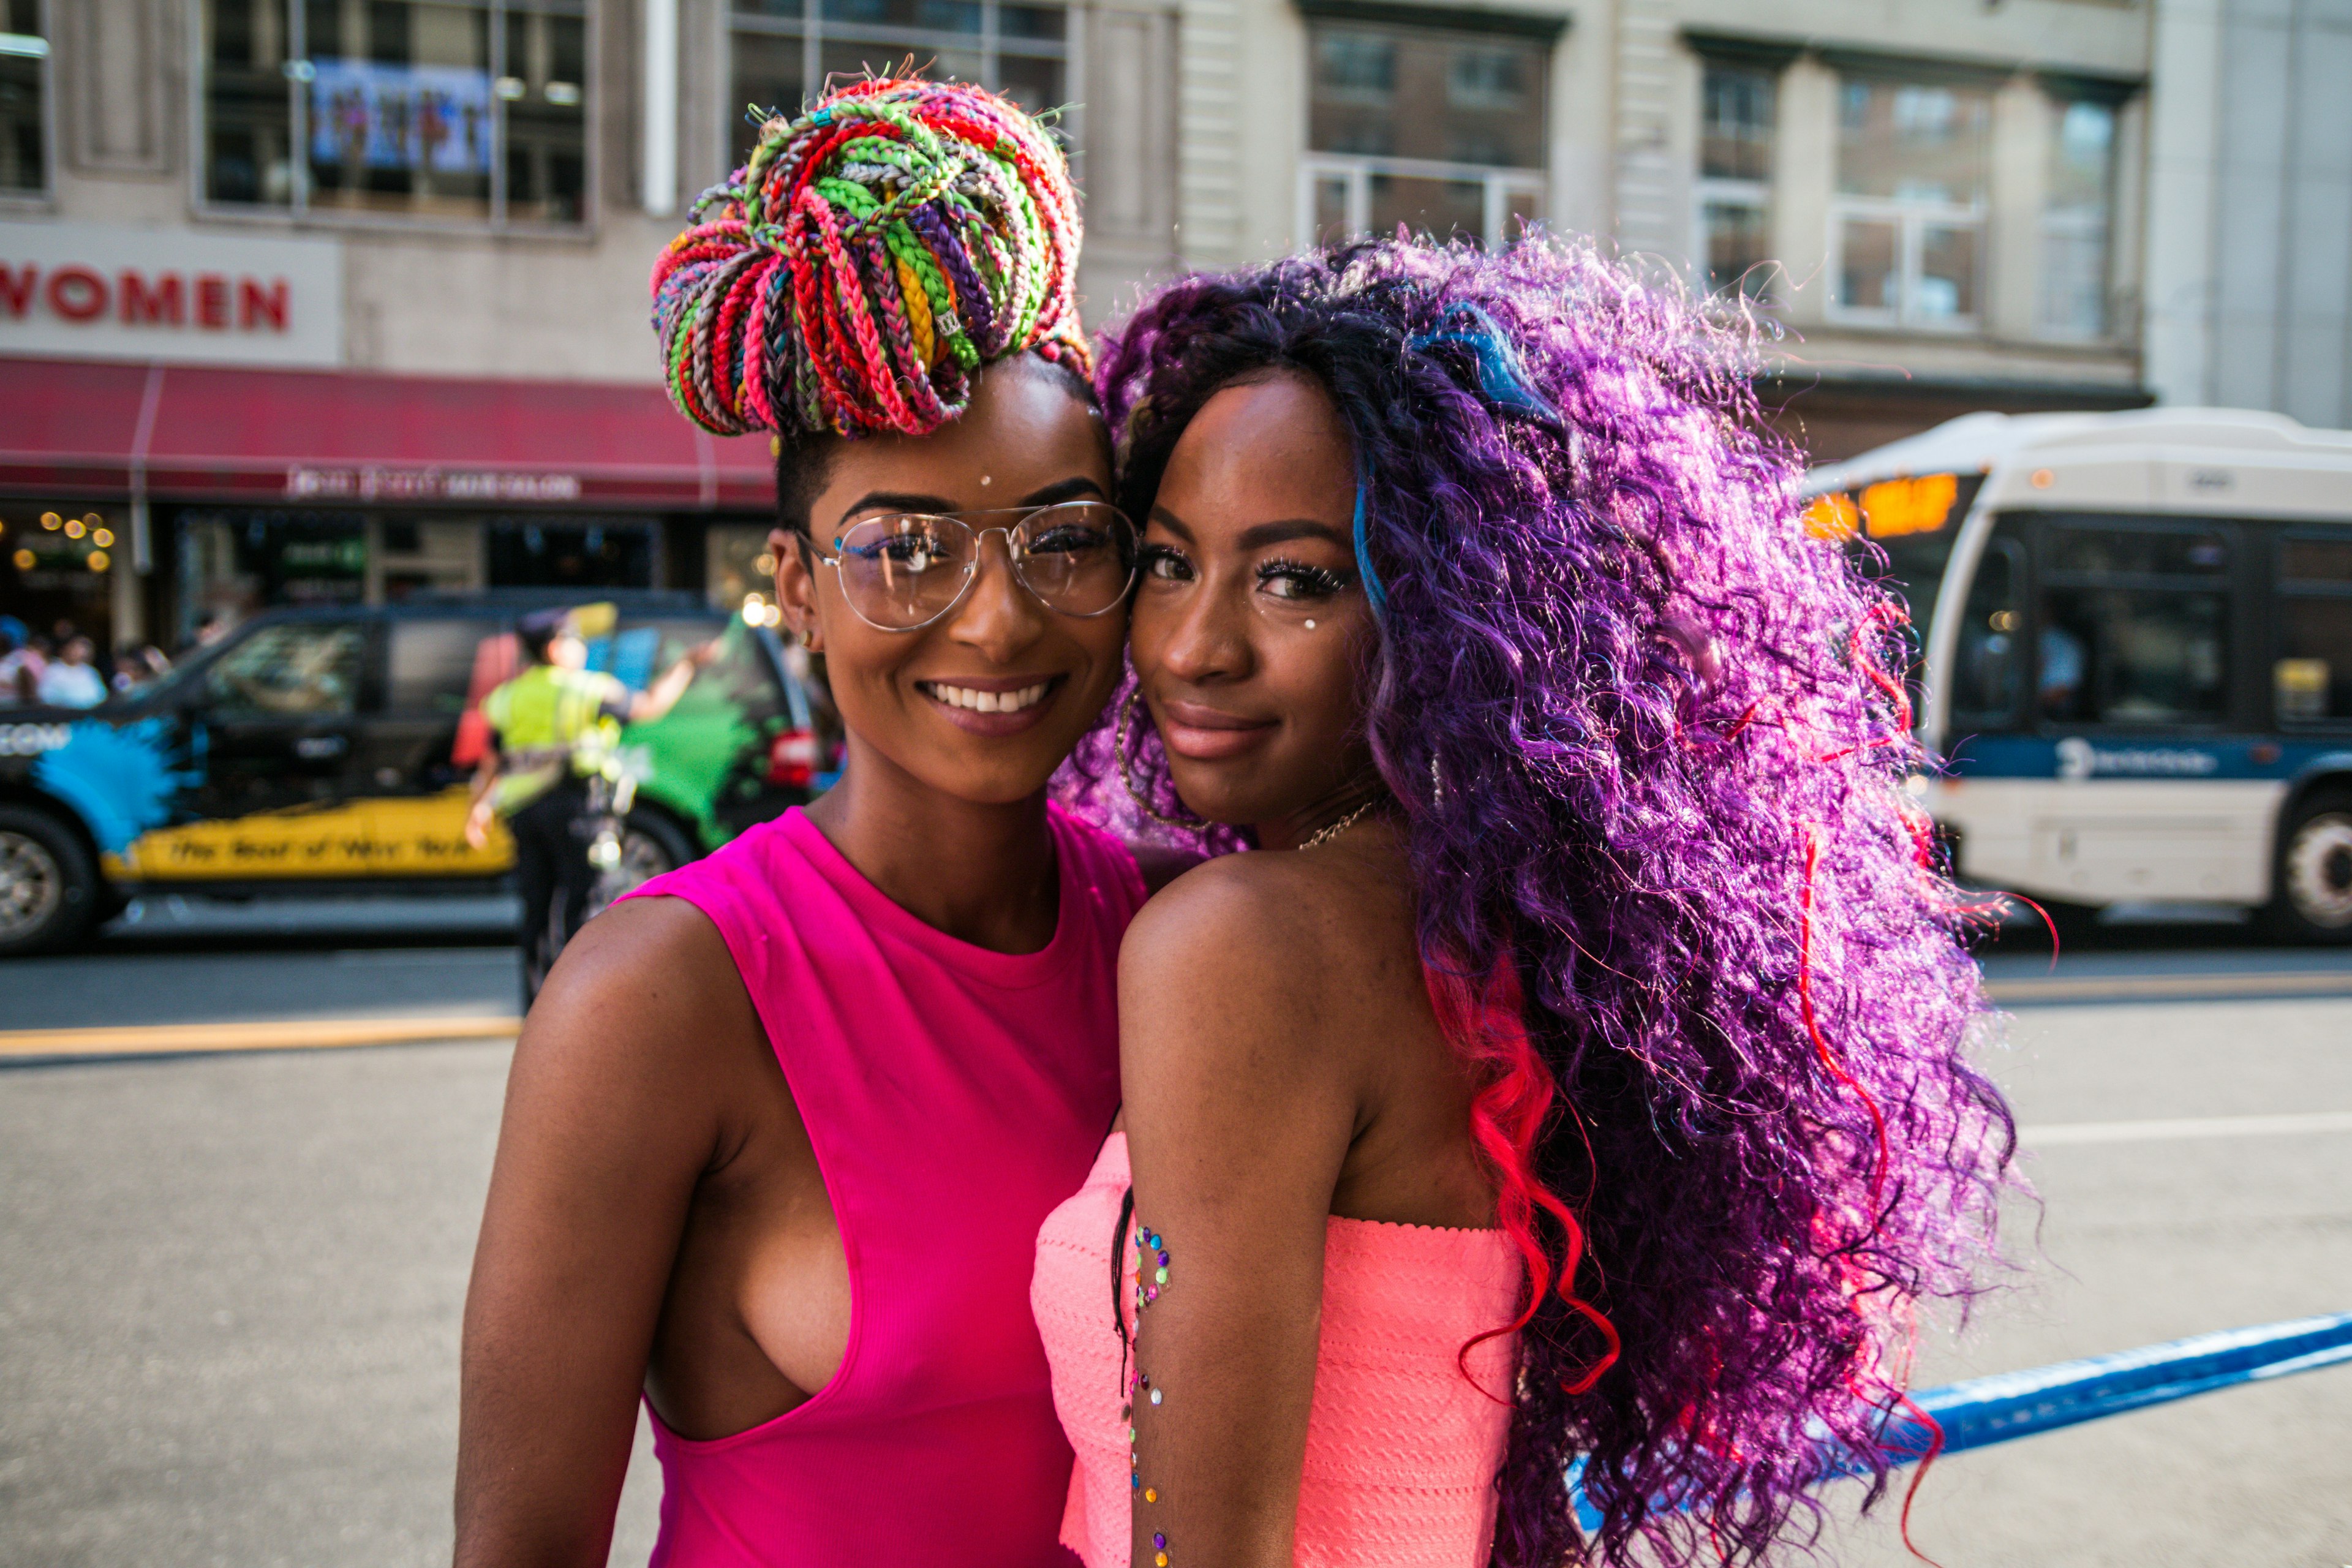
(99, 291)
(427, 485)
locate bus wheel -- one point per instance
(49, 890)
(2314, 901)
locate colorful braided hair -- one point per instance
(1680, 915)
(870, 258)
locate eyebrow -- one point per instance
(895, 501)
(1259, 535)
(1071, 489)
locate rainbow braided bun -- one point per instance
(872, 255)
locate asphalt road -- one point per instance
(230, 1284)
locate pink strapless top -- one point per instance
(1401, 1450)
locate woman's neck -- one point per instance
(981, 873)
(1361, 795)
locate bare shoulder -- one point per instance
(1266, 963)
(1273, 906)
(645, 1000)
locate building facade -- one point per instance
(2250, 222)
(309, 300)
(1941, 202)
(353, 213)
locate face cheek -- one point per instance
(1103, 643)
(1318, 674)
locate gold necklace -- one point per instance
(1337, 828)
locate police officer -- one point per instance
(552, 773)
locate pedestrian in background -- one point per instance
(72, 680)
(20, 666)
(552, 772)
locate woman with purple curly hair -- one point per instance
(1591, 1088)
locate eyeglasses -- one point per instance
(903, 572)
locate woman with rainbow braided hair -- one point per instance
(781, 1127)
(1576, 1074)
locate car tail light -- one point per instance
(791, 759)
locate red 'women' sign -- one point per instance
(211, 300)
(87, 291)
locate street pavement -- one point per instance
(230, 1283)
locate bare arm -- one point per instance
(616, 1105)
(662, 696)
(1239, 1119)
(478, 799)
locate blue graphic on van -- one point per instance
(123, 779)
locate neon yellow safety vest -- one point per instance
(547, 717)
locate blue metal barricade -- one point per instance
(2010, 1404)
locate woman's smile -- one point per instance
(992, 704)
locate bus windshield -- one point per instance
(1900, 532)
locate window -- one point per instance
(1988, 662)
(2076, 217)
(2135, 625)
(1907, 222)
(290, 671)
(23, 106)
(1735, 177)
(431, 663)
(473, 110)
(2311, 680)
(572, 552)
(784, 51)
(1440, 132)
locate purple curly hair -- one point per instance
(1653, 768)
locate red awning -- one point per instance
(75, 429)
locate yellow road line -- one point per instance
(2161, 987)
(331, 1034)
(273, 1034)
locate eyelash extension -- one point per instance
(1318, 582)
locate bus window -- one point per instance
(2312, 680)
(1987, 662)
(2134, 626)
(1901, 532)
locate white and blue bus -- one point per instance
(2137, 641)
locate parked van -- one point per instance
(330, 750)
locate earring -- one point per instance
(1126, 776)
(1310, 626)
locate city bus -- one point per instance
(2135, 641)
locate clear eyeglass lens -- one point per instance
(905, 571)
(902, 571)
(1079, 557)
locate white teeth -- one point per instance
(988, 701)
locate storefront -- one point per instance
(140, 501)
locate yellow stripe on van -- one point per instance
(412, 835)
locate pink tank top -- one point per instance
(1401, 1450)
(953, 1095)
